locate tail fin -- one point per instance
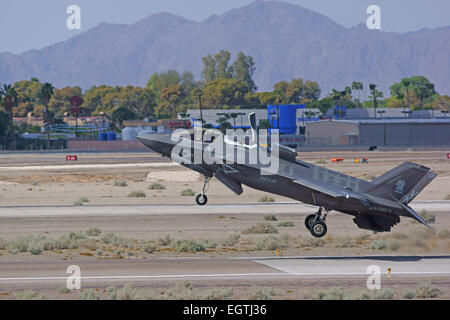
(403, 182)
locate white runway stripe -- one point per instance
(220, 275)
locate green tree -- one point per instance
(225, 93)
(243, 69)
(4, 126)
(60, 100)
(171, 102)
(358, 86)
(121, 114)
(9, 99)
(416, 86)
(45, 94)
(28, 97)
(217, 66)
(375, 94)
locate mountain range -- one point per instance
(286, 41)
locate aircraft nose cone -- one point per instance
(158, 142)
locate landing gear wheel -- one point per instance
(318, 229)
(309, 221)
(201, 199)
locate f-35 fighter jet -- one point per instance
(375, 205)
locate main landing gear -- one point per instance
(201, 198)
(315, 223)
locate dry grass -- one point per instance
(263, 227)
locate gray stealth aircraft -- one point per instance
(376, 205)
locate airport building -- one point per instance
(378, 132)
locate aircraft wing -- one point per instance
(318, 187)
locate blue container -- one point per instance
(102, 136)
(111, 136)
(283, 117)
(340, 112)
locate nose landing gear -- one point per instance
(315, 223)
(201, 198)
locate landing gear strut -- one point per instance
(315, 223)
(201, 198)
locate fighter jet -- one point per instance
(375, 205)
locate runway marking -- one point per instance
(90, 166)
(219, 275)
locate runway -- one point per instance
(175, 269)
(182, 209)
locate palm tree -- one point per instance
(375, 94)
(358, 86)
(9, 95)
(406, 82)
(45, 94)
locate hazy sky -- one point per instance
(34, 24)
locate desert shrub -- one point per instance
(111, 238)
(120, 183)
(272, 243)
(181, 291)
(447, 197)
(321, 161)
(35, 247)
(99, 252)
(312, 242)
(207, 243)
(150, 247)
(230, 240)
(409, 295)
(89, 294)
(270, 217)
(378, 244)
(70, 241)
(3, 244)
(335, 293)
(63, 290)
(136, 194)
(360, 295)
(19, 245)
(187, 193)
(427, 216)
(93, 232)
(263, 227)
(34, 183)
(156, 186)
(393, 244)
(363, 237)
(427, 290)
(443, 234)
(261, 293)
(83, 199)
(344, 242)
(164, 241)
(217, 294)
(78, 203)
(285, 224)
(187, 245)
(28, 294)
(266, 199)
(383, 294)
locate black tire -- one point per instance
(318, 229)
(309, 220)
(201, 199)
